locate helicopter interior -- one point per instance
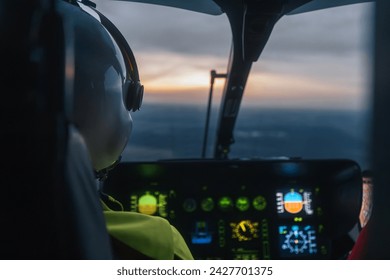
(214, 202)
(271, 208)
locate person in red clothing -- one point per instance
(366, 209)
(358, 250)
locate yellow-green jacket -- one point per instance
(139, 236)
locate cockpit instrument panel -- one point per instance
(241, 209)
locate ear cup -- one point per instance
(133, 92)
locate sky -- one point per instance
(320, 59)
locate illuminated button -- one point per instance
(221, 233)
(245, 254)
(147, 204)
(207, 204)
(259, 203)
(225, 203)
(133, 203)
(162, 209)
(242, 203)
(189, 205)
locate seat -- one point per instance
(51, 208)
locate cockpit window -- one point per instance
(306, 96)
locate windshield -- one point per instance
(306, 96)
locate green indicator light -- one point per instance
(221, 233)
(133, 203)
(207, 204)
(162, 206)
(259, 203)
(242, 203)
(298, 219)
(225, 203)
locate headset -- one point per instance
(133, 89)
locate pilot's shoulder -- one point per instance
(153, 236)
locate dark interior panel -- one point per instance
(260, 209)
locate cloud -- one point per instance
(151, 28)
(338, 31)
(157, 28)
(325, 54)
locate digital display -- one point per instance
(294, 201)
(201, 234)
(150, 203)
(297, 240)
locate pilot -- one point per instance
(106, 87)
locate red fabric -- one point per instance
(359, 249)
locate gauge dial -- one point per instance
(207, 204)
(245, 230)
(259, 203)
(242, 203)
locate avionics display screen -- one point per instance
(150, 202)
(244, 209)
(297, 240)
(294, 201)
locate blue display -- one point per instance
(297, 240)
